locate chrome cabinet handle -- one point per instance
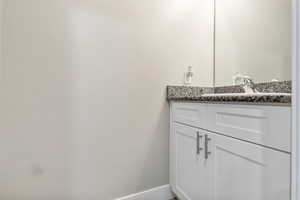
(198, 143)
(207, 153)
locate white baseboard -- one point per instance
(159, 193)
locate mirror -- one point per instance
(253, 38)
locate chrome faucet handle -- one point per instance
(248, 85)
(247, 81)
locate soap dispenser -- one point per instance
(188, 76)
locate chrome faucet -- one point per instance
(248, 85)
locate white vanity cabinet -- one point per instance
(210, 165)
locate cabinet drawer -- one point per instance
(265, 125)
(189, 113)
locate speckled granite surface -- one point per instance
(269, 87)
(183, 93)
(277, 87)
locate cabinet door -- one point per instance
(243, 170)
(191, 179)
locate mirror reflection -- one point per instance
(252, 39)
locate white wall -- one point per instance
(83, 109)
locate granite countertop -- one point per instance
(195, 94)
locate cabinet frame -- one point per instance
(207, 154)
